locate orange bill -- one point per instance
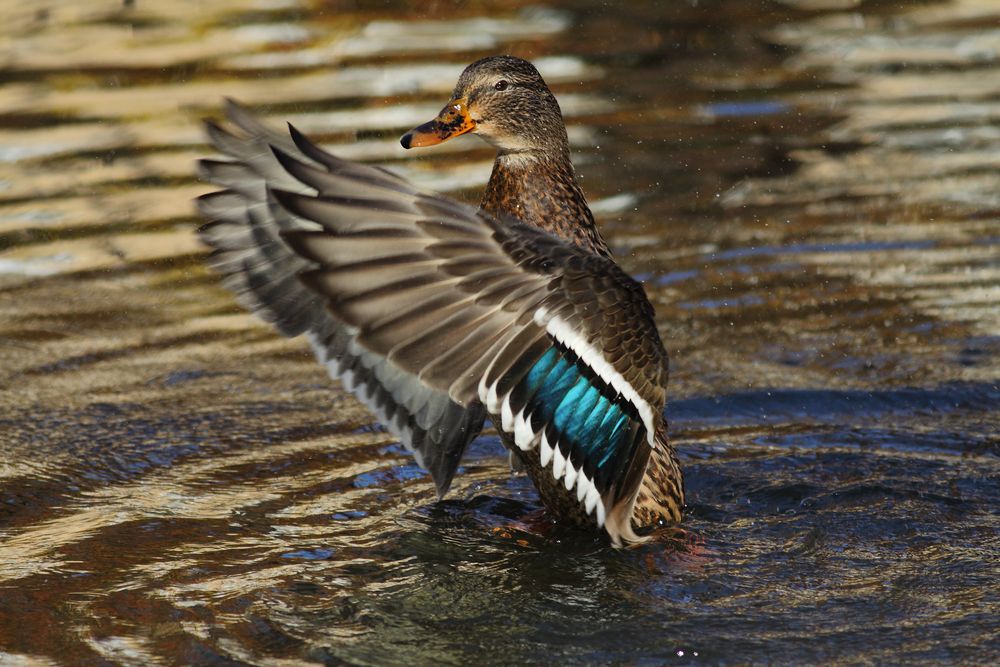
(452, 121)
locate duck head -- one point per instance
(505, 101)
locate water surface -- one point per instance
(809, 191)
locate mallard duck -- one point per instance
(437, 314)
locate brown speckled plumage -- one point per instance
(661, 493)
(536, 184)
(543, 192)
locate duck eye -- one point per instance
(501, 85)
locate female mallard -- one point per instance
(436, 314)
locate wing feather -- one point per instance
(244, 230)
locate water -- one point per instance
(808, 190)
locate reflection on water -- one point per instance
(808, 190)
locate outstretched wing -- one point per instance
(556, 341)
(245, 231)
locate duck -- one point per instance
(439, 315)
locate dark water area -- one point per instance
(810, 191)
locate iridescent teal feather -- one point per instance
(572, 404)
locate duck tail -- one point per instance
(660, 496)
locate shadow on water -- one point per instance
(807, 189)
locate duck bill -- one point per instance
(453, 120)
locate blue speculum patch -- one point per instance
(592, 422)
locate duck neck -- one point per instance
(540, 189)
